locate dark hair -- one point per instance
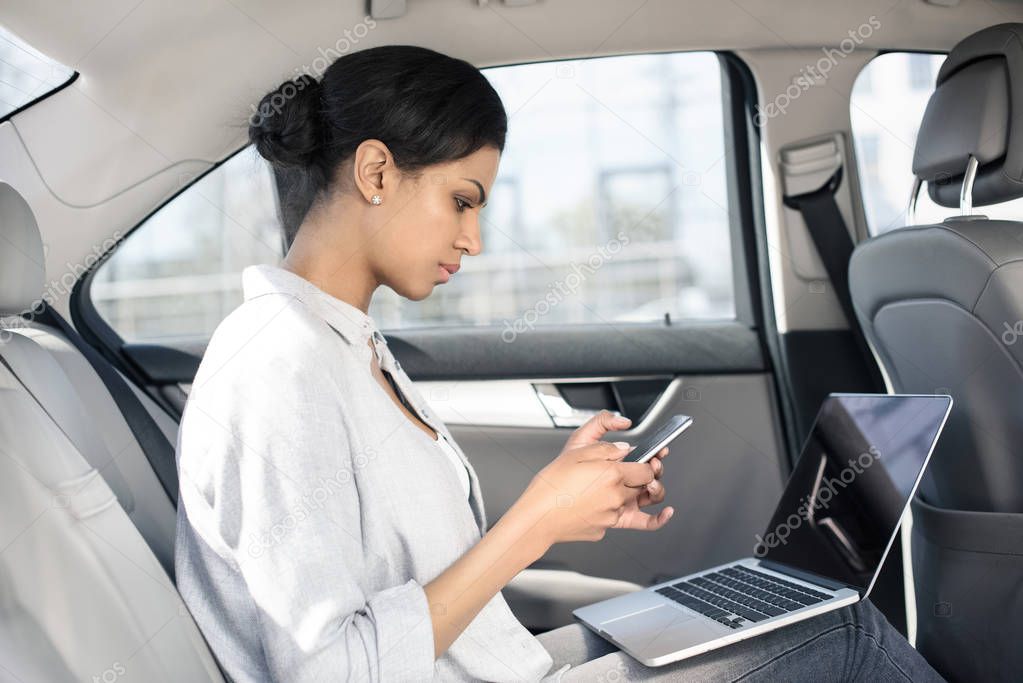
(425, 106)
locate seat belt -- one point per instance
(170, 569)
(74, 445)
(831, 238)
(151, 439)
(17, 377)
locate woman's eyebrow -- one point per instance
(479, 186)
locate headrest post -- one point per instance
(966, 192)
(913, 195)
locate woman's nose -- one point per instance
(471, 240)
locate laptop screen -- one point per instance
(859, 467)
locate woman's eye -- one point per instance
(462, 204)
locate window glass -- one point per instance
(610, 205)
(25, 73)
(887, 105)
(178, 275)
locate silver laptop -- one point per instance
(823, 548)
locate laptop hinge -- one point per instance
(806, 576)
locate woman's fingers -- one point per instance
(651, 495)
(636, 474)
(659, 456)
(642, 521)
(602, 450)
(658, 466)
(593, 429)
(654, 491)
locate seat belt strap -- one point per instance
(831, 238)
(151, 439)
(3, 361)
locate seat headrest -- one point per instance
(22, 265)
(978, 89)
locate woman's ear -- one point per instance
(372, 161)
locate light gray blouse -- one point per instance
(449, 451)
(312, 511)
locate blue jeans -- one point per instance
(855, 643)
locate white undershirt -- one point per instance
(463, 474)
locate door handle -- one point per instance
(561, 413)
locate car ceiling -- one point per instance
(165, 87)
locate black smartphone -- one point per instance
(650, 446)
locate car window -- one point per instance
(887, 105)
(610, 202)
(176, 276)
(25, 73)
(610, 205)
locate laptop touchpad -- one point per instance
(658, 631)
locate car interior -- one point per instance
(727, 210)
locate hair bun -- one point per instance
(286, 126)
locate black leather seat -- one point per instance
(942, 305)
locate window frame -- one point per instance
(33, 102)
(72, 77)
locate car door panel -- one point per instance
(723, 476)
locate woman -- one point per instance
(329, 526)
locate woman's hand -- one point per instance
(587, 489)
(632, 517)
(653, 493)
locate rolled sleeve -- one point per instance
(404, 633)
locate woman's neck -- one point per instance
(337, 265)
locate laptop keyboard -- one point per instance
(738, 595)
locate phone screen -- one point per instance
(650, 446)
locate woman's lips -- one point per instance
(447, 270)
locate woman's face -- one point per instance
(428, 222)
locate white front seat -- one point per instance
(68, 386)
(82, 596)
